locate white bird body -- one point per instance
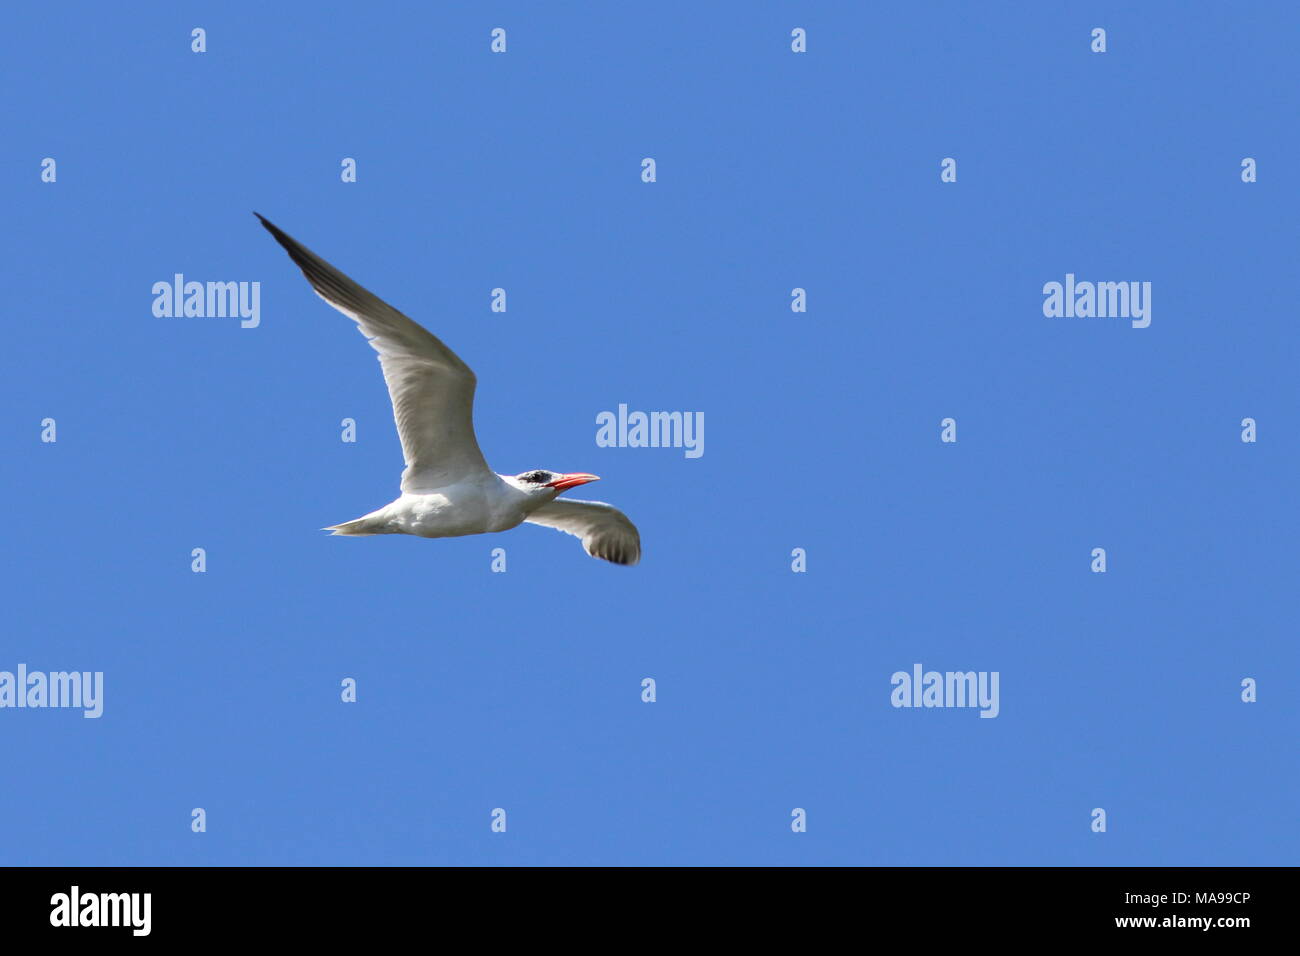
(474, 506)
(447, 488)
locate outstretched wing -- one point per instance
(605, 531)
(431, 389)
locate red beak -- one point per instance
(572, 481)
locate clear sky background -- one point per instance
(522, 690)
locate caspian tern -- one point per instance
(447, 488)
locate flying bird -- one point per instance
(447, 488)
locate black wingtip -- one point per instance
(280, 235)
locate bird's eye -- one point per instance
(537, 477)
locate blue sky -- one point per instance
(775, 170)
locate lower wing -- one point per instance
(605, 531)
